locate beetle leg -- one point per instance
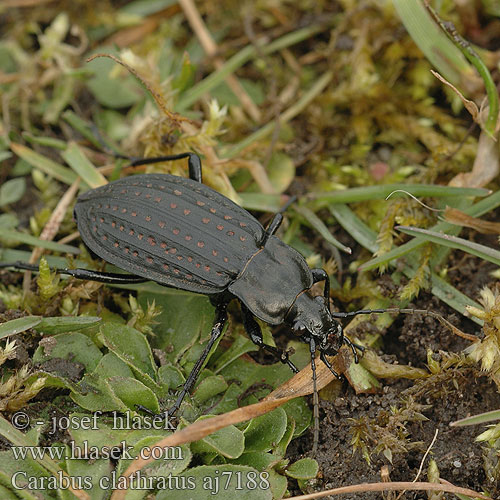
(276, 221)
(194, 163)
(322, 275)
(220, 321)
(83, 274)
(353, 347)
(255, 334)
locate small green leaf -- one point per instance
(8, 221)
(281, 171)
(228, 442)
(112, 86)
(185, 79)
(305, 468)
(130, 346)
(265, 432)
(209, 387)
(132, 393)
(12, 191)
(95, 394)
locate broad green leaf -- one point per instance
(110, 365)
(265, 432)
(185, 319)
(172, 460)
(305, 468)
(130, 346)
(74, 347)
(97, 476)
(209, 387)
(132, 393)
(228, 442)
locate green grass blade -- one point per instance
(367, 238)
(433, 42)
(290, 113)
(476, 249)
(354, 226)
(381, 192)
(241, 58)
(262, 202)
(59, 172)
(478, 209)
(81, 165)
(11, 234)
(317, 224)
(482, 418)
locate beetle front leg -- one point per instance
(220, 321)
(255, 334)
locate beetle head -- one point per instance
(310, 317)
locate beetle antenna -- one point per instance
(425, 312)
(312, 348)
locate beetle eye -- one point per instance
(299, 327)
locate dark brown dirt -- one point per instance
(446, 397)
(459, 458)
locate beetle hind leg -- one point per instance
(255, 334)
(220, 321)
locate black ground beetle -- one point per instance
(183, 234)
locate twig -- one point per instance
(210, 48)
(51, 228)
(421, 462)
(396, 486)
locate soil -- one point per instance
(442, 399)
